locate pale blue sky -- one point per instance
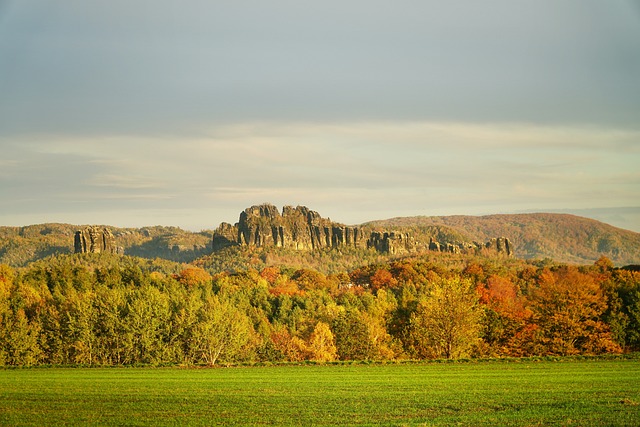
(186, 112)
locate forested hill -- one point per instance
(22, 245)
(561, 237)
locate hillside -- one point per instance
(561, 237)
(22, 245)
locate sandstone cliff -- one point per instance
(95, 240)
(394, 243)
(495, 246)
(297, 228)
(303, 229)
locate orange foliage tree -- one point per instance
(193, 276)
(382, 279)
(505, 318)
(567, 306)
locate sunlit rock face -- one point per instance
(301, 228)
(296, 227)
(500, 245)
(95, 240)
(392, 243)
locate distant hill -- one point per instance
(561, 237)
(627, 218)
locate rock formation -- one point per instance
(297, 228)
(391, 243)
(303, 229)
(501, 245)
(497, 246)
(95, 240)
(225, 235)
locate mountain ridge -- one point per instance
(558, 236)
(301, 228)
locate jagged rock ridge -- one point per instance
(303, 229)
(297, 228)
(391, 242)
(95, 240)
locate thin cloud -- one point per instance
(356, 165)
(123, 182)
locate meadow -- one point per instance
(519, 393)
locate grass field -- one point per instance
(524, 393)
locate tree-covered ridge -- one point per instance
(22, 245)
(561, 237)
(108, 309)
(326, 260)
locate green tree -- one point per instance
(77, 322)
(110, 331)
(221, 332)
(352, 335)
(19, 339)
(185, 305)
(625, 310)
(146, 324)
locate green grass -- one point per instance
(520, 393)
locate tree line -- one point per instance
(108, 310)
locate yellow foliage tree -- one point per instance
(322, 345)
(447, 321)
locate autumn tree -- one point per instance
(446, 322)
(270, 274)
(6, 280)
(18, 333)
(309, 279)
(382, 279)
(291, 347)
(322, 344)
(505, 316)
(193, 276)
(377, 315)
(567, 305)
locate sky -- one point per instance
(184, 113)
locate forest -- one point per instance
(104, 309)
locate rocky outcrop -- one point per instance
(297, 228)
(500, 245)
(95, 240)
(225, 235)
(391, 242)
(301, 228)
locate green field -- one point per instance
(524, 393)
